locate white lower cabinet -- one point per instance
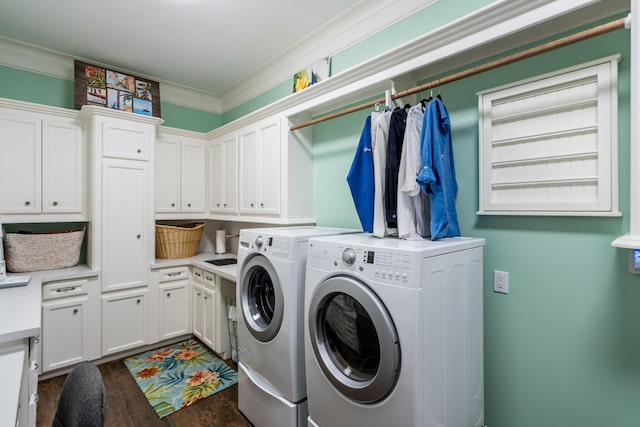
(64, 331)
(209, 310)
(174, 319)
(203, 314)
(173, 305)
(124, 320)
(69, 323)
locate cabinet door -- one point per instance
(174, 313)
(167, 176)
(216, 176)
(248, 143)
(65, 330)
(203, 319)
(208, 330)
(125, 211)
(223, 163)
(124, 139)
(269, 168)
(124, 323)
(193, 182)
(62, 168)
(20, 167)
(198, 311)
(230, 175)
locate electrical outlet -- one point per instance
(501, 281)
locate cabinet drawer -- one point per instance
(171, 274)
(209, 279)
(64, 289)
(198, 277)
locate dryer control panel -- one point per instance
(381, 265)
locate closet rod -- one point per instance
(528, 53)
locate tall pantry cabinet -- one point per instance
(122, 164)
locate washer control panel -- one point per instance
(272, 246)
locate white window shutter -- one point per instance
(548, 145)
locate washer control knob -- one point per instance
(349, 256)
(259, 241)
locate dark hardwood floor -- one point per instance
(127, 406)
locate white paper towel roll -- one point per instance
(221, 241)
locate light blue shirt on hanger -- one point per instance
(437, 176)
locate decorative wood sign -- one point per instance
(96, 85)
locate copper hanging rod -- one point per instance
(528, 53)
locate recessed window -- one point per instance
(548, 145)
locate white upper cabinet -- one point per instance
(223, 175)
(274, 174)
(181, 175)
(193, 161)
(167, 176)
(42, 161)
(248, 143)
(20, 171)
(126, 139)
(63, 163)
(260, 166)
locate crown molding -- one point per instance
(355, 25)
(512, 23)
(35, 59)
(345, 31)
(502, 21)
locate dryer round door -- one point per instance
(354, 339)
(261, 299)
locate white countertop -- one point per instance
(228, 272)
(20, 311)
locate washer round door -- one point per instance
(261, 299)
(354, 339)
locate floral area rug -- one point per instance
(174, 377)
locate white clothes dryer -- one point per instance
(270, 300)
(393, 332)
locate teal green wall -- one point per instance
(176, 116)
(32, 87)
(562, 348)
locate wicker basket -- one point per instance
(42, 251)
(178, 241)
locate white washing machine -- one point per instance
(393, 332)
(270, 300)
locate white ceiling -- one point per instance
(208, 45)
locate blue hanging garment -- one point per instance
(437, 177)
(360, 179)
